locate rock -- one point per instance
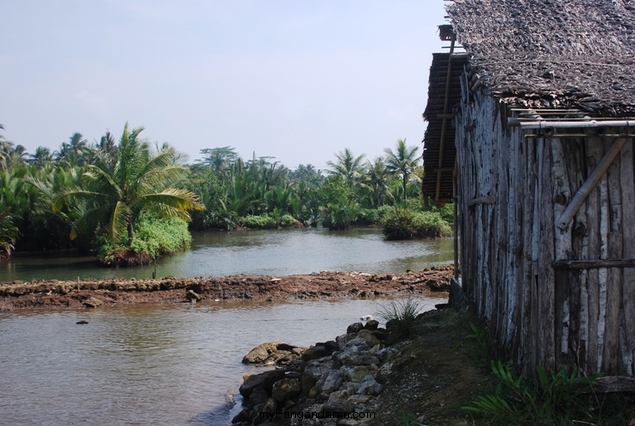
(357, 373)
(331, 383)
(93, 302)
(354, 328)
(368, 337)
(286, 389)
(369, 386)
(320, 350)
(338, 402)
(312, 373)
(372, 325)
(273, 353)
(263, 380)
(192, 295)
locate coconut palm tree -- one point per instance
(402, 162)
(348, 166)
(41, 158)
(376, 182)
(121, 186)
(74, 152)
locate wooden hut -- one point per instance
(542, 107)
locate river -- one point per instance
(179, 364)
(287, 252)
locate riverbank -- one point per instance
(367, 377)
(434, 281)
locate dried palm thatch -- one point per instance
(552, 53)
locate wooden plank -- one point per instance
(592, 251)
(594, 264)
(545, 230)
(627, 335)
(481, 200)
(608, 384)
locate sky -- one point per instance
(295, 80)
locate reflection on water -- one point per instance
(160, 365)
(297, 251)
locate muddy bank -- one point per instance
(74, 294)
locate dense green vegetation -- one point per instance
(129, 202)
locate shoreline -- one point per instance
(433, 281)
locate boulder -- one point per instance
(273, 353)
(286, 389)
(372, 325)
(354, 328)
(320, 350)
(93, 302)
(369, 338)
(263, 380)
(369, 386)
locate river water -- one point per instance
(179, 364)
(294, 251)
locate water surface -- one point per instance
(294, 251)
(141, 365)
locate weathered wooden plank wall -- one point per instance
(511, 191)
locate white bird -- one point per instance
(367, 318)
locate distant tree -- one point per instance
(347, 166)
(376, 182)
(402, 162)
(132, 181)
(41, 158)
(74, 152)
(218, 159)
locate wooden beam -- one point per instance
(590, 184)
(594, 264)
(614, 384)
(482, 200)
(444, 121)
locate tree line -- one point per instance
(130, 202)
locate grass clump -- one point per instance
(400, 316)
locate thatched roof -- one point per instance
(434, 114)
(552, 53)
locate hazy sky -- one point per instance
(297, 80)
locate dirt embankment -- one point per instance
(74, 294)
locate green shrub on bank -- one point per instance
(403, 224)
(552, 398)
(400, 316)
(266, 221)
(257, 222)
(153, 238)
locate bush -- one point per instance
(153, 238)
(403, 224)
(552, 398)
(257, 222)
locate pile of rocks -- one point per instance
(331, 382)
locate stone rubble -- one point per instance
(331, 379)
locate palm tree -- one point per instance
(74, 152)
(348, 166)
(41, 158)
(403, 162)
(218, 159)
(376, 182)
(133, 180)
